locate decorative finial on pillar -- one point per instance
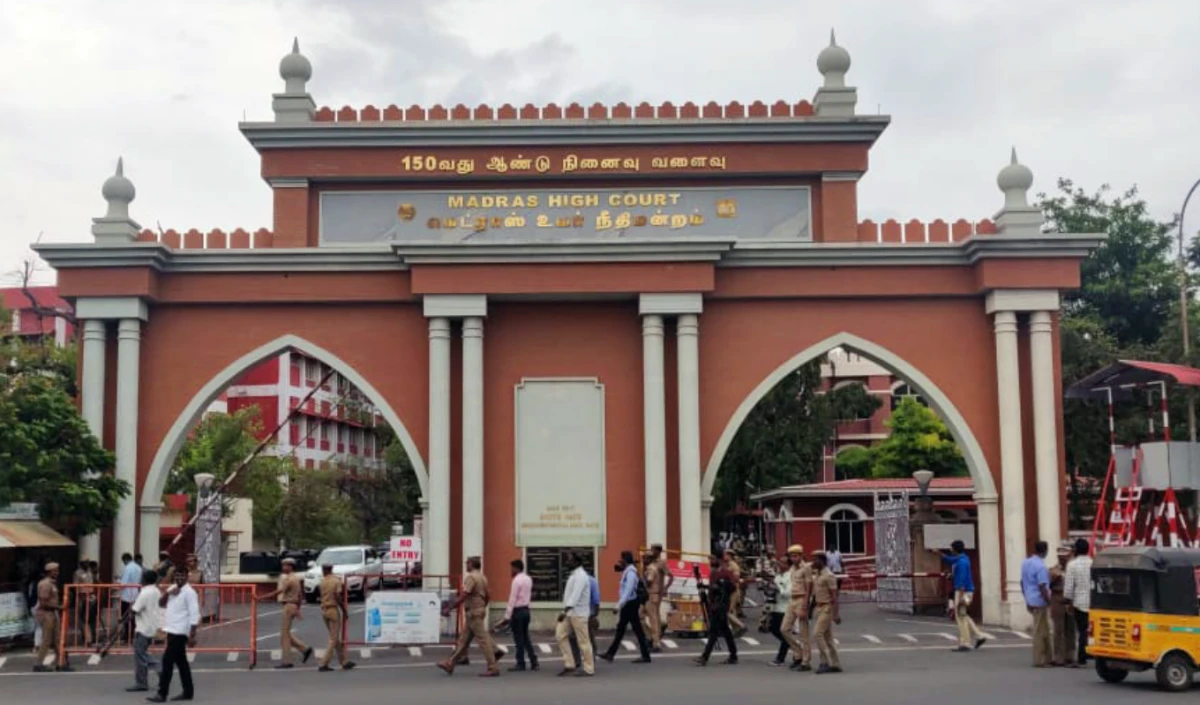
(116, 227)
(294, 104)
(834, 98)
(1017, 217)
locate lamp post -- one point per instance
(1183, 313)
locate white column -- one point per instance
(1045, 429)
(92, 403)
(437, 555)
(706, 524)
(149, 518)
(472, 436)
(654, 410)
(988, 543)
(690, 515)
(1012, 477)
(129, 349)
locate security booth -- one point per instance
(26, 544)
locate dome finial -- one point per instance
(1014, 180)
(119, 192)
(295, 45)
(833, 62)
(295, 70)
(832, 37)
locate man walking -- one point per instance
(131, 578)
(474, 597)
(334, 613)
(779, 610)
(1035, 586)
(628, 607)
(964, 592)
(658, 582)
(517, 614)
(573, 620)
(180, 622)
(49, 611)
(147, 617)
(718, 596)
(1077, 593)
(825, 595)
(290, 593)
(735, 600)
(799, 589)
(833, 558)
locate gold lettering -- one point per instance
(543, 221)
(563, 222)
(555, 200)
(455, 201)
(446, 165)
(630, 163)
(531, 201)
(603, 221)
(659, 163)
(465, 166)
(570, 163)
(487, 201)
(542, 164)
(514, 221)
(679, 220)
(674, 198)
(589, 163)
(660, 199)
(591, 200)
(520, 163)
(577, 221)
(679, 162)
(700, 161)
(611, 163)
(451, 222)
(659, 219)
(614, 199)
(497, 222)
(623, 220)
(716, 162)
(433, 224)
(497, 164)
(481, 223)
(639, 221)
(697, 219)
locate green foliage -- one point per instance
(311, 512)
(380, 497)
(918, 441)
(781, 441)
(855, 463)
(218, 445)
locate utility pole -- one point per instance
(1183, 315)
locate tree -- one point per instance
(218, 445)
(918, 441)
(782, 440)
(380, 497)
(855, 462)
(312, 513)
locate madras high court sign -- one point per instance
(775, 213)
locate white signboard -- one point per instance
(560, 463)
(405, 549)
(14, 616)
(940, 536)
(403, 618)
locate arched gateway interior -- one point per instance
(567, 311)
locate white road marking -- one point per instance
(908, 638)
(1023, 635)
(264, 637)
(276, 654)
(3, 660)
(366, 653)
(503, 648)
(414, 651)
(318, 654)
(872, 638)
(987, 636)
(544, 648)
(238, 621)
(837, 641)
(947, 637)
(231, 656)
(94, 660)
(750, 640)
(48, 661)
(628, 645)
(670, 644)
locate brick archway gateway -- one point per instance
(643, 273)
(150, 497)
(985, 494)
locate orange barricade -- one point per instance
(368, 634)
(95, 618)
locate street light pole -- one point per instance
(1183, 313)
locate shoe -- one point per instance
(777, 663)
(307, 655)
(464, 661)
(535, 667)
(180, 698)
(980, 642)
(822, 669)
(284, 666)
(516, 669)
(641, 660)
(700, 661)
(607, 657)
(802, 667)
(960, 649)
(42, 669)
(325, 669)
(731, 661)
(583, 674)
(137, 689)
(489, 674)
(566, 672)
(835, 669)
(656, 649)
(498, 654)
(156, 699)
(65, 669)
(348, 666)
(447, 667)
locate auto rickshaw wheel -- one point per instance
(1175, 672)
(1109, 674)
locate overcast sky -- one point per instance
(1104, 91)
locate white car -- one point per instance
(359, 566)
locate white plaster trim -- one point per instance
(852, 508)
(173, 441)
(670, 304)
(836, 176)
(111, 308)
(288, 183)
(1022, 300)
(455, 305)
(938, 401)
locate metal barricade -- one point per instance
(928, 591)
(417, 596)
(96, 618)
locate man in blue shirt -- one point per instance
(628, 610)
(964, 591)
(131, 577)
(1035, 586)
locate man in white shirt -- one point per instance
(577, 607)
(182, 617)
(1077, 593)
(147, 617)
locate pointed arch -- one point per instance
(152, 489)
(981, 475)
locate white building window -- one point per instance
(845, 529)
(900, 390)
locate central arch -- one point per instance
(152, 488)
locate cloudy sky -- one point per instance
(1103, 91)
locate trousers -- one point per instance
(520, 630)
(653, 612)
(578, 627)
(286, 637)
(968, 632)
(798, 612)
(629, 617)
(477, 630)
(333, 623)
(1042, 646)
(48, 621)
(1081, 632)
(824, 636)
(143, 661)
(718, 628)
(784, 644)
(174, 657)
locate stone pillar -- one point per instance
(149, 518)
(437, 553)
(95, 334)
(1045, 429)
(654, 403)
(129, 350)
(690, 515)
(706, 524)
(1011, 467)
(472, 436)
(988, 542)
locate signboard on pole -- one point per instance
(684, 585)
(405, 549)
(403, 618)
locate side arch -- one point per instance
(985, 486)
(854, 509)
(172, 443)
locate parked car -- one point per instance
(359, 566)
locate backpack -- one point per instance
(643, 594)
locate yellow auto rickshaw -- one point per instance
(1145, 614)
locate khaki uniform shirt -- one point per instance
(802, 582)
(656, 577)
(475, 586)
(289, 589)
(47, 594)
(165, 574)
(331, 592)
(825, 587)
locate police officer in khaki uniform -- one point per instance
(335, 613)
(658, 582)
(801, 582)
(735, 600)
(474, 598)
(825, 595)
(48, 611)
(290, 593)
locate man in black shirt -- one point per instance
(717, 596)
